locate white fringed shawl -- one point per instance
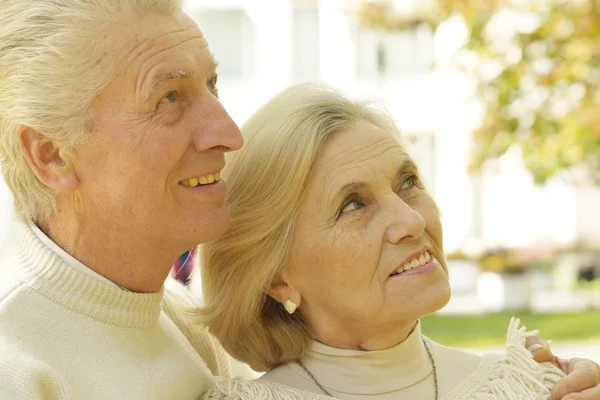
(513, 375)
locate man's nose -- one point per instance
(216, 129)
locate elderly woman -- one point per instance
(334, 253)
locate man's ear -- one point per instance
(284, 293)
(48, 162)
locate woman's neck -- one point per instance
(345, 335)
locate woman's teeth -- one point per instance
(415, 263)
(202, 180)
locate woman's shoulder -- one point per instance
(287, 375)
(453, 365)
(461, 359)
(513, 374)
(284, 375)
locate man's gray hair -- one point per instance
(52, 66)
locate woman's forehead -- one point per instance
(365, 143)
(358, 165)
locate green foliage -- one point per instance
(537, 72)
(490, 330)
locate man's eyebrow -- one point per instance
(162, 78)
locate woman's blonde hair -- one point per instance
(266, 183)
(52, 65)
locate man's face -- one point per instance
(159, 130)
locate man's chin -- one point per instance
(212, 226)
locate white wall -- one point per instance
(270, 65)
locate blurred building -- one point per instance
(266, 45)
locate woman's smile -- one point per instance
(424, 264)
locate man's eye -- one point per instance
(170, 97)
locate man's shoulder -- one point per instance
(10, 279)
(13, 289)
(24, 373)
(24, 318)
(16, 294)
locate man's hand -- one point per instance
(583, 376)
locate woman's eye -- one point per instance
(409, 182)
(352, 206)
(170, 97)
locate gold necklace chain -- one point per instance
(431, 360)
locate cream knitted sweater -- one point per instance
(66, 335)
(404, 372)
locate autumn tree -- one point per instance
(537, 71)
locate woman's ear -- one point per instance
(282, 292)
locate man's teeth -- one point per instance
(417, 262)
(202, 180)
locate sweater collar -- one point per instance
(368, 372)
(46, 273)
(66, 257)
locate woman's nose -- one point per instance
(406, 224)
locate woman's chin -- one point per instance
(444, 295)
(435, 305)
(433, 299)
(445, 299)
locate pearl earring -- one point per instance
(290, 306)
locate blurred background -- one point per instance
(498, 101)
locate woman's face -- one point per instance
(367, 252)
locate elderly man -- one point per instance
(112, 138)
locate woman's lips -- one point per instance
(422, 269)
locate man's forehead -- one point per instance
(158, 48)
(134, 28)
(149, 36)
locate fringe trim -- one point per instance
(514, 375)
(241, 389)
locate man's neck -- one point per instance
(125, 258)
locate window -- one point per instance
(232, 39)
(394, 54)
(306, 42)
(422, 148)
